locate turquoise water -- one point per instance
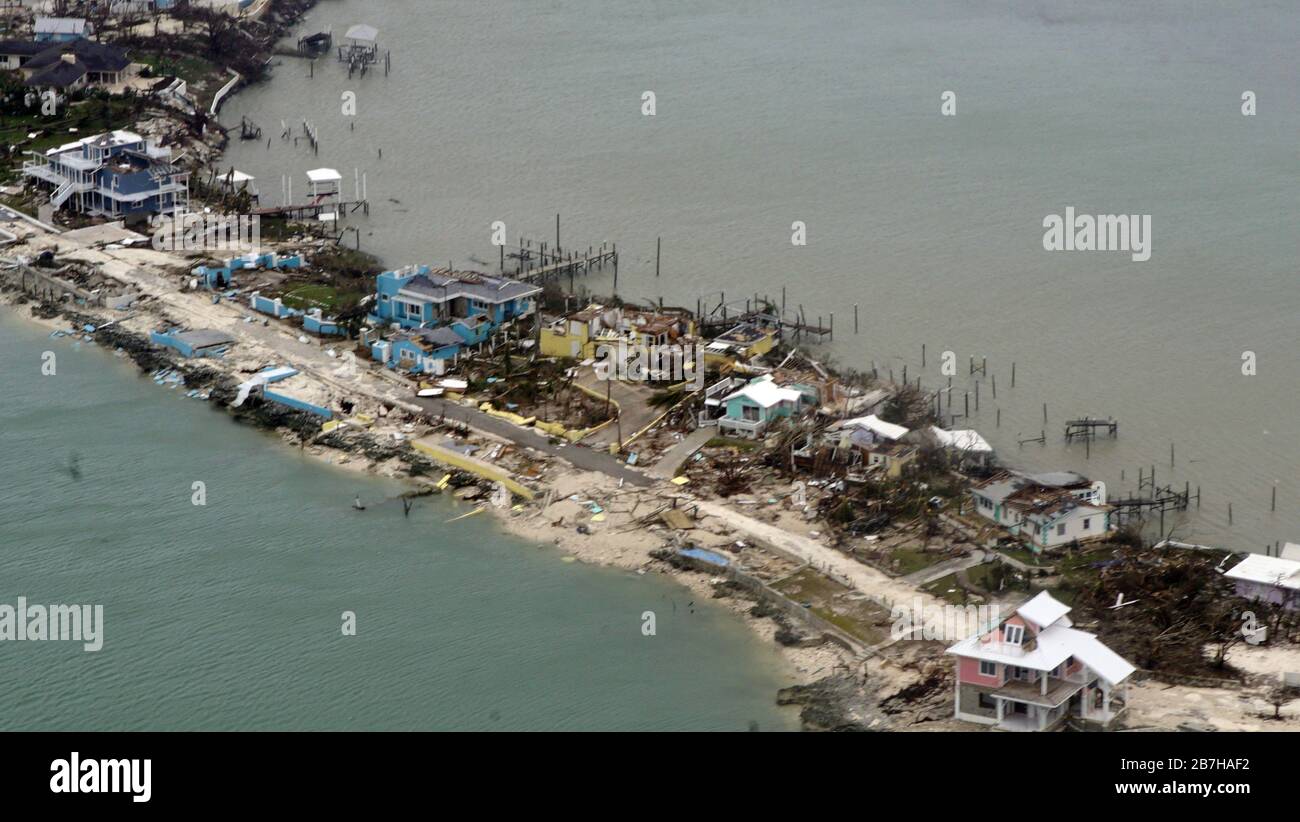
(828, 112)
(228, 616)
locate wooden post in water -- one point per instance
(999, 421)
(923, 355)
(1013, 375)
(855, 318)
(658, 246)
(994, 378)
(1044, 413)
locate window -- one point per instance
(1013, 634)
(988, 668)
(749, 412)
(1086, 522)
(987, 702)
(1060, 530)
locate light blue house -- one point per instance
(760, 402)
(441, 311)
(420, 350)
(421, 297)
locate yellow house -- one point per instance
(580, 334)
(740, 343)
(574, 335)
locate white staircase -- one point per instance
(63, 192)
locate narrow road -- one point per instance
(943, 569)
(673, 458)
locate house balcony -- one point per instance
(745, 428)
(1056, 692)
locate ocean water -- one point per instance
(229, 616)
(829, 113)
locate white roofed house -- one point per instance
(1034, 670)
(756, 405)
(965, 445)
(881, 441)
(1269, 579)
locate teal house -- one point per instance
(751, 409)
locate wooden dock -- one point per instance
(537, 263)
(1160, 499)
(298, 211)
(1087, 428)
(761, 311)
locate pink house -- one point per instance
(1034, 670)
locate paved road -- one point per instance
(943, 569)
(633, 411)
(579, 457)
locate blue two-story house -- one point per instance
(111, 175)
(441, 311)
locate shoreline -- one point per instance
(796, 665)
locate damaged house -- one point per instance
(437, 312)
(1047, 510)
(111, 175)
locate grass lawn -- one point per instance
(312, 296)
(731, 442)
(914, 559)
(986, 576)
(946, 588)
(1025, 555)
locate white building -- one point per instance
(1047, 510)
(1269, 579)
